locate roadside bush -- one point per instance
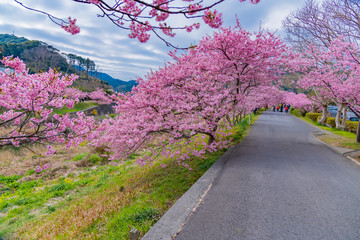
(331, 122)
(318, 119)
(313, 116)
(351, 126)
(295, 112)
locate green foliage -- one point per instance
(77, 107)
(7, 38)
(50, 209)
(313, 116)
(143, 215)
(94, 158)
(351, 126)
(80, 156)
(9, 179)
(297, 112)
(331, 122)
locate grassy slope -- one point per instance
(100, 203)
(77, 107)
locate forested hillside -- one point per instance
(40, 56)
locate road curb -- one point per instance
(171, 223)
(332, 148)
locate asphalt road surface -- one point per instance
(280, 183)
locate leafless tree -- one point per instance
(320, 22)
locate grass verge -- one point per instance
(335, 137)
(102, 202)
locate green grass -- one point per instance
(336, 137)
(332, 130)
(77, 107)
(100, 203)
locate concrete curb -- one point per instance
(173, 220)
(342, 151)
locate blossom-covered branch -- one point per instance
(143, 17)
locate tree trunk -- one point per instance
(343, 123)
(338, 116)
(358, 133)
(324, 115)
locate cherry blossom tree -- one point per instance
(334, 72)
(26, 103)
(247, 61)
(144, 17)
(300, 100)
(190, 99)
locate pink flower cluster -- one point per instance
(213, 19)
(71, 28)
(193, 8)
(39, 169)
(191, 27)
(166, 30)
(139, 31)
(130, 7)
(131, 14)
(161, 14)
(94, 1)
(101, 97)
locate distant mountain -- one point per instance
(117, 84)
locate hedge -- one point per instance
(297, 112)
(351, 126)
(318, 118)
(313, 116)
(331, 122)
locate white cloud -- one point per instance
(273, 20)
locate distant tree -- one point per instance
(89, 66)
(81, 62)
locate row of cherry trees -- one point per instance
(202, 91)
(194, 98)
(332, 76)
(206, 89)
(26, 105)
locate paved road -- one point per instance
(280, 183)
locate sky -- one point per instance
(111, 48)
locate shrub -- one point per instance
(80, 156)
(94, 158)
(313, 116)
(331, 122)
(297, 112)
(319, 117)
(351, 126)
